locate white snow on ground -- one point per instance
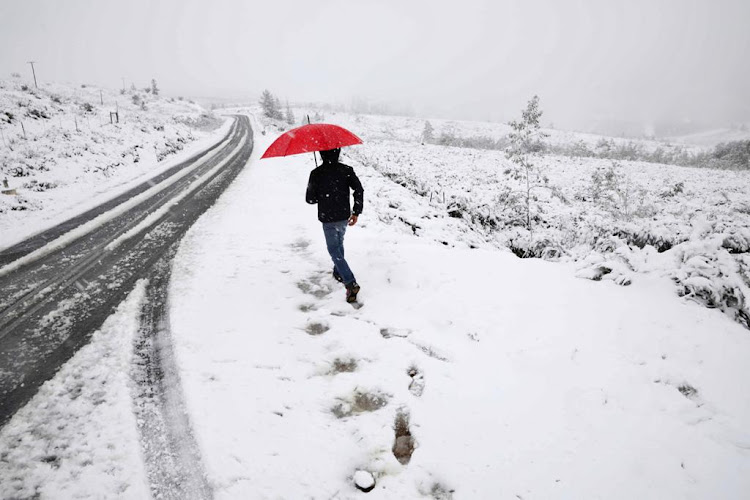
(77, 438)
(514, 378)
(58, 171)
(617, 219)
(509, 378)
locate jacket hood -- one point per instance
(330, 156)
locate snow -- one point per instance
(77, 438)
(668, 208)
(87, 227)
(364, 480)
(58, 171)
(466, 373)
(515, 377)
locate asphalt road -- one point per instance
(54, 296)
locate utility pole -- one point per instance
(101, 97)
(34, 73)
(123, 83)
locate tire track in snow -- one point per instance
(172, 457)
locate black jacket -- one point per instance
(329, 187)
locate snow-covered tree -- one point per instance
(428, 132)
(289, 114)
(278, 114)
(271, 105)
(525, 145)
(154, 88)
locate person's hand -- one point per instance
(352, 220)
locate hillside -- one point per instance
(62, 145)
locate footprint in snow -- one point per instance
(416, 386)
(313, 286)
(343, 365)
(388, 333)
(300, 244)
(404, 443)
(316, 328)
(360, 402)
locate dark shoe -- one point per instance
(352, 289)
(337, 276)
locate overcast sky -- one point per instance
(588, 60)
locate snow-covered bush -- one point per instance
(616, 219)
(710, 275)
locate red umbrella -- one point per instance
(309, 138)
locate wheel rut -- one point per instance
(171, 454)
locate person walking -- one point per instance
(329, 187)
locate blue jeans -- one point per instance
(334, 232)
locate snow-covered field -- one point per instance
(617, 219)
(468, 372)
(60, 154)
(509, 378)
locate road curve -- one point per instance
(58, 287)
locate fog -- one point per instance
(596, 64)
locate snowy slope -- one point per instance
(511, 378)
(60, 154)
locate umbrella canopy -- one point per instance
(309, 138)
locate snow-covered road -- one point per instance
(509, 378)
(57, 294)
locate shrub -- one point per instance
(673, 190)
(733, 155)
(37, 113)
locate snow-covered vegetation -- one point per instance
(616, 217)
(62, 141)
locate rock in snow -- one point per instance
(364, 480)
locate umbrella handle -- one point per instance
(315, 157)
